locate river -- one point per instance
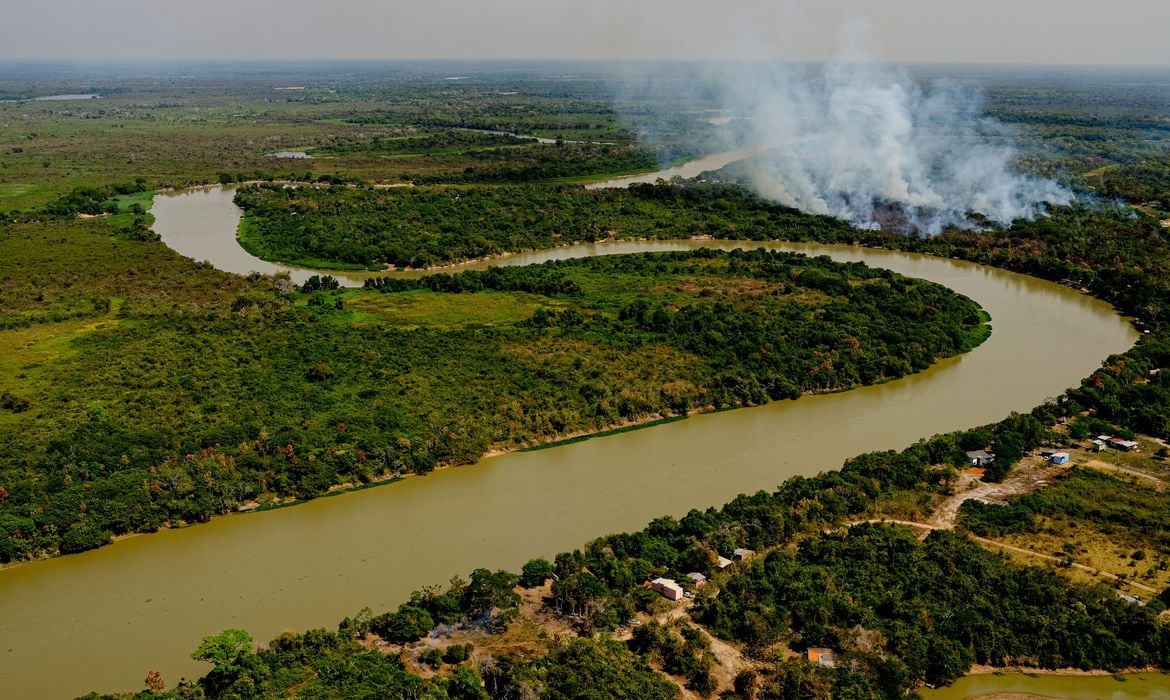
(100, 620)
(1134, 686)
(692, 168)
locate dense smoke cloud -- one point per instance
(867, 143)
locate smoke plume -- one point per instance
(860, 141)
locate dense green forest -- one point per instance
(940, 607)
(1145, 182)
(160, 413)
(420, 227)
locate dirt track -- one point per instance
(1030, 476)
(1012, 548)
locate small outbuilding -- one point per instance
(1098, 445)
(699, 579)
(980, 458)
(822, 657)
(723, 562)
(1123, 445)
(1059, 458)
(667, 588)
(1117, 443)
(742, 554)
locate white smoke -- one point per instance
(852, 139)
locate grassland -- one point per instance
(425, 308)
(1096, 515)
(174, 136)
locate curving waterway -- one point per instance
(100, 620)
(1131, 686)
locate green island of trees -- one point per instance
(149, 411)
(425, 226)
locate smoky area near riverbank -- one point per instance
(882, 146)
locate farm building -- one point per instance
(1118, 444)
(822, 657)
(667, 588)
(980, 458)
(742, 554)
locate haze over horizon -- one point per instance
(912, 31)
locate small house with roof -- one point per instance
(822, 657)
(980, 458)
(667, 588)
(1123, 445)
(1115, 443)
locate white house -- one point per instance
(980, 458)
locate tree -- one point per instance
(225, 650)
(487, 590)
(536, 572)
(467, 684)
(406, 625)
(319, 372)
(154, 682)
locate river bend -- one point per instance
(101, 619)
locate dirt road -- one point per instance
(1017, 550)
(1032, 474)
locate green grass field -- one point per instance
(428, 309)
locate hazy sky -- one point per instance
(984, 31)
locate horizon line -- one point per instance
(438, 59)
